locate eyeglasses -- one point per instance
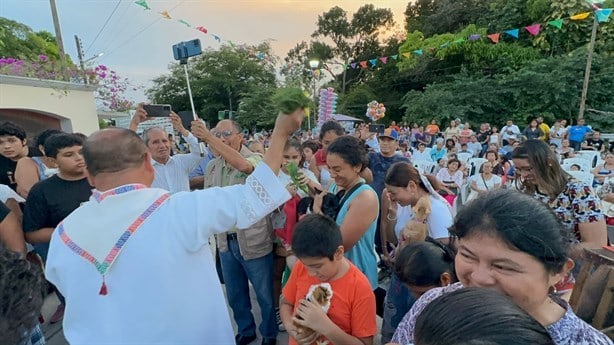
(226, 134)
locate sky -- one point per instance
(137, 43)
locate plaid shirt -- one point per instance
(37, 337)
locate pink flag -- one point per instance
(384, 59)
(533, 29)
(494, 37)
(201, 29)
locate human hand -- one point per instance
(139, 116)
(287, 124)
(291, 189)
(392, 207)
(318, 200)
(306, 338)
(177, 124)
(199, 129)
(310, 314)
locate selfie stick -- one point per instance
(182, 51)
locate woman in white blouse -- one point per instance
(451, 177)
(484, 181)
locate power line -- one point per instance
(141, 31)
(103, 26)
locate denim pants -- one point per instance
(397, 303)
(259, 271)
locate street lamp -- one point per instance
(94, 57)
(314, 64)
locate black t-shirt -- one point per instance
(598, 144)
(49, 202)
(4, 211)
(482, 136)
(7, 168)
(379, 166)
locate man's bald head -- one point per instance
(112, 150)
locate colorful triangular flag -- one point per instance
(580, 16)
(217, 38)
(556, 23)
(418, 52)
(533, 29)
(185, 23)
(166, 15)
(514, 32)
(406, 54)
(459, 40)
(353, 64)
(394, 57)
(384, 59)
(373, 62)
(494, 37)
(444, 45)
(603, 14)
(143, 4)
(475, 37)
(201, 29)
(363, 64)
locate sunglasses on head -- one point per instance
(226, 134)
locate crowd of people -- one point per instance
(139, 239)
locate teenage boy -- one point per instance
(13, 147)
(350, 319)
(53, 199)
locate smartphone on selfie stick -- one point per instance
(181, 52)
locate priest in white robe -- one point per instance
(134, 263)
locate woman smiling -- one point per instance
(502, 248)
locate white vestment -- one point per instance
(161, 287)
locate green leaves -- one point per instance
(295, 177)
(288, 100)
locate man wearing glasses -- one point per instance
(246, 253)
(172, 172)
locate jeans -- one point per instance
(577, 145)
(259, 271)
(398, 302)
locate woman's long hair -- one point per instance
(549, 175)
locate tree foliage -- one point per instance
(19, 41)
(220, 80)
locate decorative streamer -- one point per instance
(384, 59)
(363, 64)
(580, 16)
(166, 15)
(556, 23)
(603, 14)
(514, 32)
(394, 57)
(407, 55)
(533, 29)
(185, 23)
(217, 38)
(417, 52)
(494, 37)
(201, 29)
(373, 62)
(475, 37)
(353, 65)
(143, 4)
(459, 40)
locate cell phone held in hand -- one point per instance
(158, 110)
(379, 129)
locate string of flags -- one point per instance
(603, 15)
(203, 30)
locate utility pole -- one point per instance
(81, 62)
(58, 36)
(587, 71)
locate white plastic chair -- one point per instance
(423, 166)
(591, 156)
(464, 157)
(475, 164)
(584, 164)
(583, 176)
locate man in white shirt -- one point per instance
(163, 289)
(510, 129)
(172, 172)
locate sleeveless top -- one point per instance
(43, 171)
(363, 254)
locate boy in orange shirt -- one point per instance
(350, 315)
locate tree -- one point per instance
(19, 41)
(220, 80)
(440, 16)
(353, 39)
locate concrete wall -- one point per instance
(37, 104)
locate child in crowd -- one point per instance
(51, 200)
(575, 167)
(346, 314)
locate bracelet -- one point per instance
(390, 218)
